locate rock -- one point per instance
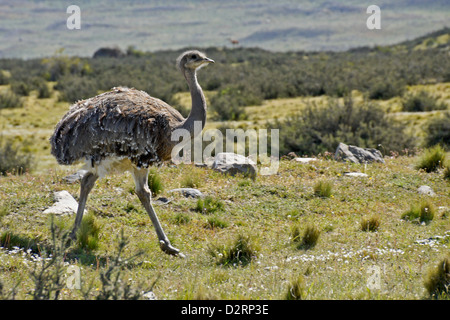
(162, 201)
(64, 204)
(355, 174)
(304, 160)
(75, 177)
(231, 163)
(357, 155)
(426, 190)
(188, 192)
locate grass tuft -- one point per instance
(437, 280)
(308, 239)
(88, 233)
(432, 159)
(209, 205)
(323, 189)
(215, 222)
(296, 289)
(240, 252)
(371, 223)
(420, 213)
(155, 183)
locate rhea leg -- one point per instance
(87, 183)
(143, 192)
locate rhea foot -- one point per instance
(167, 248)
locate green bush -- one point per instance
(74, 88)
(422, 101)
(321, 128)
(9, 100)
(432, 159)
(438, 131)
(12, 160)
(383, 90)
(229, 103)
(20, 88)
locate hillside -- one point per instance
(38, 28)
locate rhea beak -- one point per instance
(209, 60)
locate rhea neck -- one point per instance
(198, 109)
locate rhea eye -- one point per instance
(194, 56)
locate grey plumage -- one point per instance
(120, 123)
(126, 129)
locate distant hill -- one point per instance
(32, 28)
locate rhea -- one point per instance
(127, 130)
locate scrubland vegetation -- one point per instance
(307, 232)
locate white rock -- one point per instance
(355, 174)
(304, 160)
(232, 163)
(64, 204)
(426, 190)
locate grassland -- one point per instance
(264, 211)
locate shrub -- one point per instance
(422, 101)
(20, 88)
(209, 205)
(370, 223)
(155, 183)
(437, 280)
(228, 104)
(320, 128)
(9, 100)
(383, 90)
(12, 160)
(420, 213)
(323, 189)
(240, 252)
(432, 159)
(438, 131)
(74, 88)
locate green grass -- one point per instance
(432, 159)
(209, 205)
(420, 213)
(323, 189)
(243, 248)
(262, 214)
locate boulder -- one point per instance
(64, 204)
(231, 163)
(355, 174)
(188, 192)
(357, 155)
